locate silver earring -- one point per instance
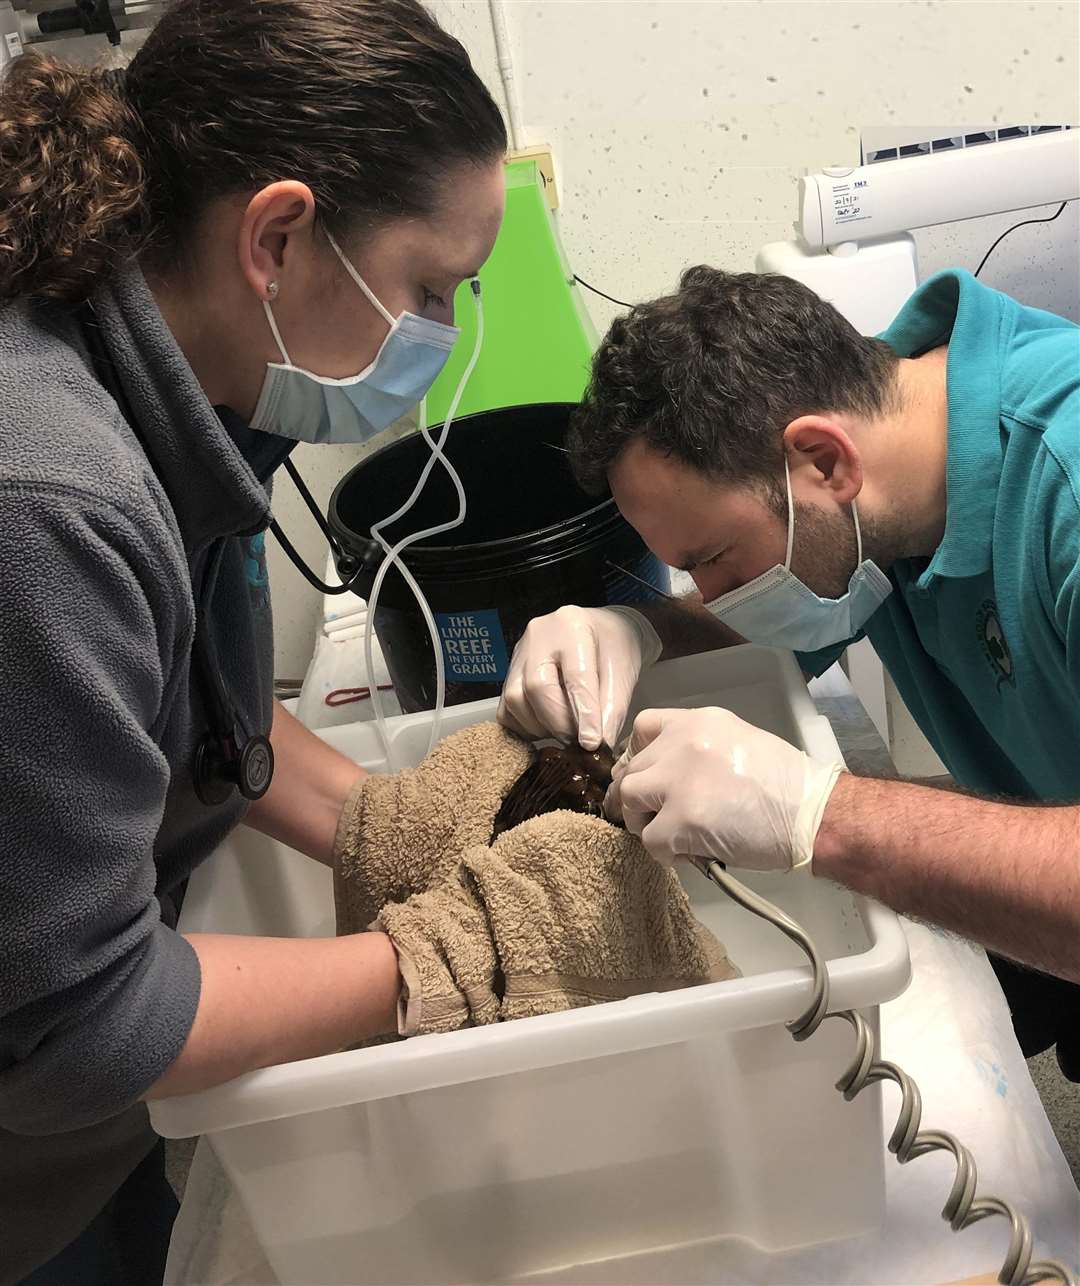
(272, 289)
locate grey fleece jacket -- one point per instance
(99, 720)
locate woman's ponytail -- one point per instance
(71, 180)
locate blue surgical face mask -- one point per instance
(777, 608)
(299, 404)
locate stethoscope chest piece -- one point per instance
(219, 771)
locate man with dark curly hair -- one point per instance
(921, 490)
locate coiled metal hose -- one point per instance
(907, 1141)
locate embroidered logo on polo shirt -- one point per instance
(994, 646)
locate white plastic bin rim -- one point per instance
(641, 1022)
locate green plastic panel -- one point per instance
(538, 338)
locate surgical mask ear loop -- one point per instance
(387, 316)
(276, 333)
(858, 534)
(790, 516)
(368, 292)
(791, 523)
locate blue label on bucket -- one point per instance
(473, 646)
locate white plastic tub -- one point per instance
(521, 1152)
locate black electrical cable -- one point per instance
(1049, 219)
(610, 298)
(1025, 223)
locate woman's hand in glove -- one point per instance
(703, 783)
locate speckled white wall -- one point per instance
(680, 128)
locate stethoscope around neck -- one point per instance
(227, 757)
(349, 568)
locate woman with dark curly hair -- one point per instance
(252, 236)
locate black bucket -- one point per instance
(531, 542)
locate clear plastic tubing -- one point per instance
(393, 554)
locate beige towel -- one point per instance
(560, 912)
(404, 832)
(581, 914)
(449, 971)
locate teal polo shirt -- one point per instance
(983, 639)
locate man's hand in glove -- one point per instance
(703, 783)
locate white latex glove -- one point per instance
(703, 783)
(573, 674)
